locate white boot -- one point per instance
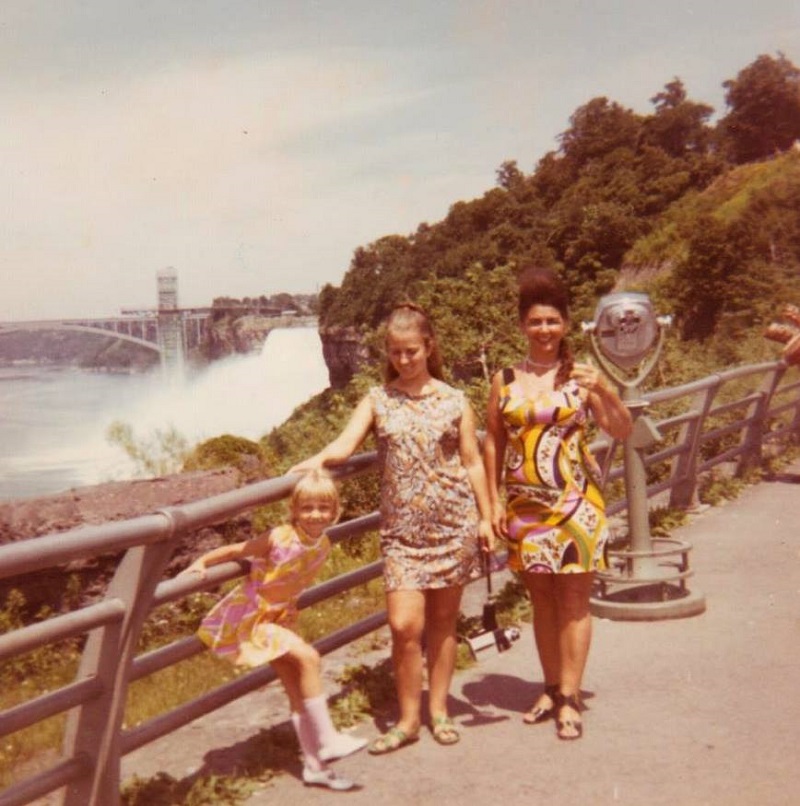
(315, 773)
(333, 744)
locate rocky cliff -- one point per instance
(228, 335)
(344, 353)
(101, 503)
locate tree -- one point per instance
(509, 175)
(764, 104)
(679, 126)
(711, 279)
(378, 277)
(598, 128)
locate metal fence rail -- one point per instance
(725, 418)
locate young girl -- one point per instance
(252, 624)
(435, 514)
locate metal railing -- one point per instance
(725, 418)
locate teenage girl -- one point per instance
(252, 625)
(435, 515)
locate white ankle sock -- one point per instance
(309, 743)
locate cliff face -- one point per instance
(344, 353)
(101, 503)
(229, 336)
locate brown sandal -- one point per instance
(569, 728)
(536, 713)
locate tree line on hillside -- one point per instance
(704, 216)
(265, 305)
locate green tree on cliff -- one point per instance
(764, 109)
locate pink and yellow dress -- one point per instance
(251, 625)
(555, 511)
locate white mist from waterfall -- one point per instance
(245, 396)
(57, 422)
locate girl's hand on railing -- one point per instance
(195, 568)
(306, 465)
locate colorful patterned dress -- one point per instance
(429, 517)
(250, 626)
(556, 513)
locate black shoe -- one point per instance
(538, 714)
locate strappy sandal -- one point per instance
(444, 731)
(570, 728)
(537, 714)
(392, 740)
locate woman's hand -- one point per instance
(499, 522)
(791, 352)
(589, 377)
(610, 413)
(486, 536)
(792, 313)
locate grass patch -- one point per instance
(22, 679)
(226, 780)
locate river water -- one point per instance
(54, 421)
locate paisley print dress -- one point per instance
(555, 511)
(250, 626)
(429, 516)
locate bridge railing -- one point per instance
(725, 418)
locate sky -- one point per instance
(253, 145)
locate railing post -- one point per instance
(683, 491)
(795, 426)
(753, 436)
(93, 730)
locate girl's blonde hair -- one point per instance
(409, 316)
(317, 484)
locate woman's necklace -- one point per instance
(537, 365)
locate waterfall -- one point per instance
(56, 422)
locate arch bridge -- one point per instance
(168, 329)
(146, 329)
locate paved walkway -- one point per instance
(686, 712)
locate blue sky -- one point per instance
(254, 144)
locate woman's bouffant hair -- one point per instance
(542, 286)
(317, 484)
(409, 316)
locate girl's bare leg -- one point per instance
(300, 671)
(406, 612)
(441, 615)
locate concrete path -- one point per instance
(700, 711)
